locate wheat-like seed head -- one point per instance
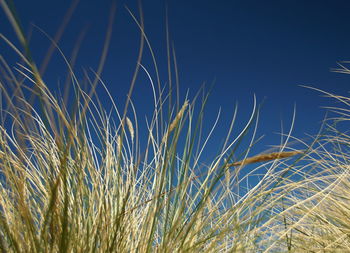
(130, 127)
(265, 157)
(178, 117)
(176, 120)
(119, 144)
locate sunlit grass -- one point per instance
(80, 178)
(315, 215)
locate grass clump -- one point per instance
(315, 214)
(80, 179)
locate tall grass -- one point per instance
(314, 216)
(78, 179)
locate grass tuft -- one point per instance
(74, 178)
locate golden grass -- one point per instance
(265, 157)
(80, 182)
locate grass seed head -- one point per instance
(131, 128)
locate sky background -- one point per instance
(267, 48)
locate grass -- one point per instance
(78, 178)
(316, 213)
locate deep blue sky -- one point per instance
(267, 48)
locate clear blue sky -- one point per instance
(267, 48)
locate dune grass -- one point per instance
(315, 212)
(78, 178)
